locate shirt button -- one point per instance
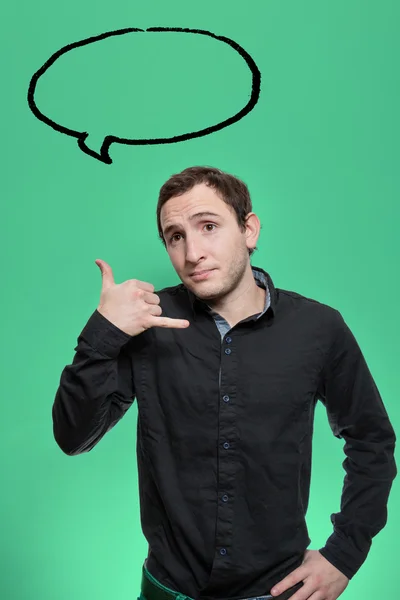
(226, 398)
(228, 340)
(226, 445)
(222, 551)
(228, 351)
(225, 498)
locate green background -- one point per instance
(320, 155)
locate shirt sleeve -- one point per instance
(357, 414)
(95, 390)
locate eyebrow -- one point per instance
(191, 218)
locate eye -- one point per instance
(206, 225)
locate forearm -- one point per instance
(363, 508)
(95, 390)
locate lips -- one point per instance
(201, 275)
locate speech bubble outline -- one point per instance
(104, 156)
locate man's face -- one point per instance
(208, 242)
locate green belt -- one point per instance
(151, 589)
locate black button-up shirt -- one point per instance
(224, 432)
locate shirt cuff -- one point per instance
(103, 336)
(340, 552)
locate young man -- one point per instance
(226, 383)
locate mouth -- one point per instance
(200, 275)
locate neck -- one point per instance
(249, 308)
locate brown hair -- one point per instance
(230, 189)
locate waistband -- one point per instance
(152, 589)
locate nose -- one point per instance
(194, 250)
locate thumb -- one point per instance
(106, 273)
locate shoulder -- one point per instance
(296, 301)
